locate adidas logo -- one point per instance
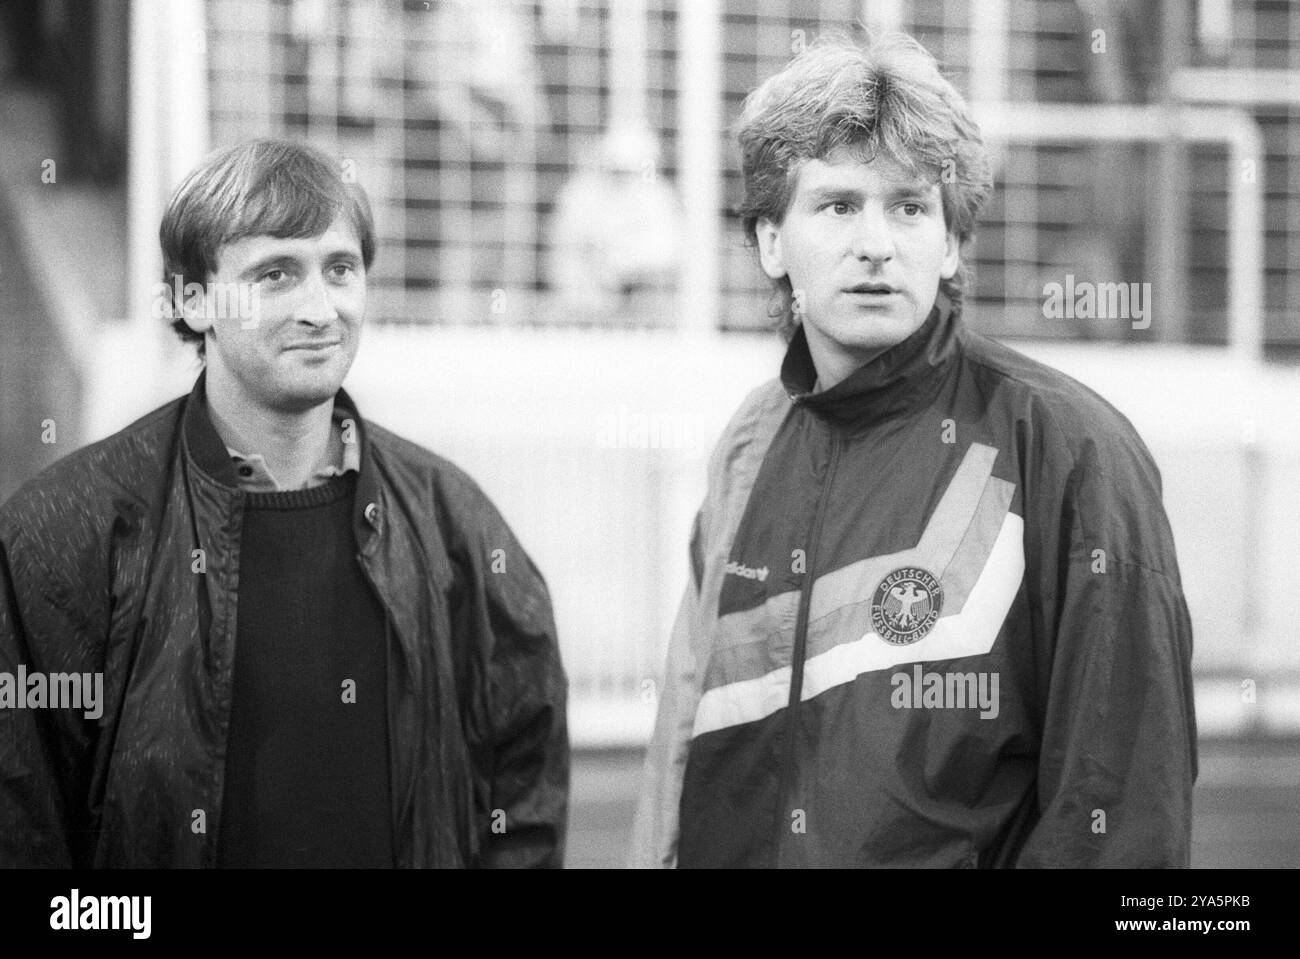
(747, 572)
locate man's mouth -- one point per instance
(313, 345)
(876, 288)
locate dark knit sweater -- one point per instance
(307, 764)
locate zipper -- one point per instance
(397, 804)
(800, 649)
(229, 628)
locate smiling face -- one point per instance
(864, 246)
(311, 296)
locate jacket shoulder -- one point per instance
(427, 473)
(733, 467)
(122, 465)
(1085, 455)
(750, 428)
(1073, 417)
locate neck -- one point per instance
(833, 363)
(294, 443)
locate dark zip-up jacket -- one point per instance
(123, 559)
(935, 619)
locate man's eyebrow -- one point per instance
(895, 190)
(343, 253)
(284, 260)
(832, 192)
(275, 260)
(920, 188)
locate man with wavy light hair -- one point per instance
(935, 616)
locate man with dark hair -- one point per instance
(318, 644)
(935, 616)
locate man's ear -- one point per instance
(951, 256)
(192, 308)
(768, 235)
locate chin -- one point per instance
(876, 333)
(855, 339)
(305, 393)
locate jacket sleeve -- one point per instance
(45, 754)
(1118, 753)
(732, 466)
(517, 726)
(655, 826)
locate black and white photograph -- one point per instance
(649, 434)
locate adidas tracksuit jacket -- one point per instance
(935, 619)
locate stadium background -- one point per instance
(564, 305)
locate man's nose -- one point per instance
(872, 237)
(315, 303)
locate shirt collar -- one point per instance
(211, 465)
(343, 456)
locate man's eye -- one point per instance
(341, 270)
(840, 208)
(275, 276)
(913, 209)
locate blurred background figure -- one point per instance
(1110, 240)
(473, 66)
(562, 301)
(614, 242)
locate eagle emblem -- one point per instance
(906, 605)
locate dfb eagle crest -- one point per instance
(906, 605)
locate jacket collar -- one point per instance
(903, 377)
(208, 452)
